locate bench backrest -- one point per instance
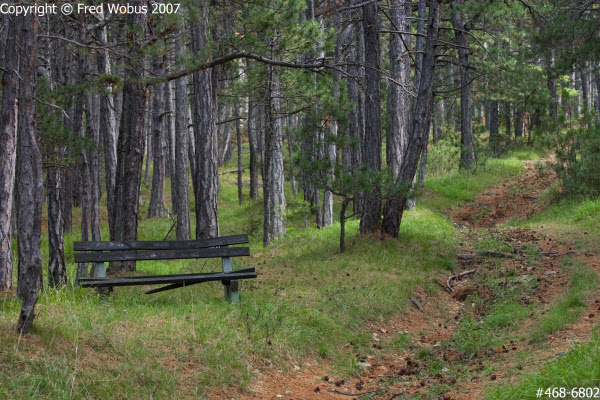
(160, 250)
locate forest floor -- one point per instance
(530, 295)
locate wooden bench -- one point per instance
(101, 252)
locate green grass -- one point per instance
(571, 215)
(309, 302)
(464, 186)
(568, 309)
(578, 368)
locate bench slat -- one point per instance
(161, 245)
(154, 280)
(92, 279)
(135, 255)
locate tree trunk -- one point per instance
(410, 201)
(205, 113)
(108, 133)
(467, 149)
(291, 155)
(253, 144)
(551, 83)
(494, 137)
(422, 109)
(159, 139)
(398, 106)
(57, 272)
(354, 123)
(29, 179)
(8, 138)
(507, 124)
(131, 142)
(182, 134)
(169, 129)
(83, 183)
(333, 131)
(273, 179)
(519, 122)
(238, 133)
(371, 218)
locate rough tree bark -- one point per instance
(253, 144)
(108, 132)
(131, 141)
(273, 178)
(467, 148)
(494, 122)
(371, 151)
(8, 149)
(159, 141)
(421, 118)
(169, 127)
(29, 179)
(238, 133)
(518, 121)
(398, 105)
(421, 9)
(204, 114)
(333, 129)
(57, 273)
(551, 84)
(83, 184)
(181, 176)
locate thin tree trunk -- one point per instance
(273, 178)
(169, 129)
(291, 156)
(238, 132)
(518, 121)
(83, 174)
(182, 134)
(131, 142)
(108, 133)
(422, 7)
(422, 109)
(507, 123)
(8, 139)
(57, 272)
(467, 148)
(253, 143)
(551, 83)
(205, 113)
(398, 104)
(333, 132)
(29, 180)
(92, 102)
(371, 218)
(494, 122)
(159, 139)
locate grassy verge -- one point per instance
(308, 302)
(454, 189)
(569, 308)
(578, 368)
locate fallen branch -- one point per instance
(396, 395)
(352, 394)
(416, 304)
(486, 253)
(555, 254)
(458, 276)
(232, 170)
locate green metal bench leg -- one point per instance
(231, 290)
(99, 271)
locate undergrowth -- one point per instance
(309, 302)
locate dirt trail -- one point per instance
(405, 374)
